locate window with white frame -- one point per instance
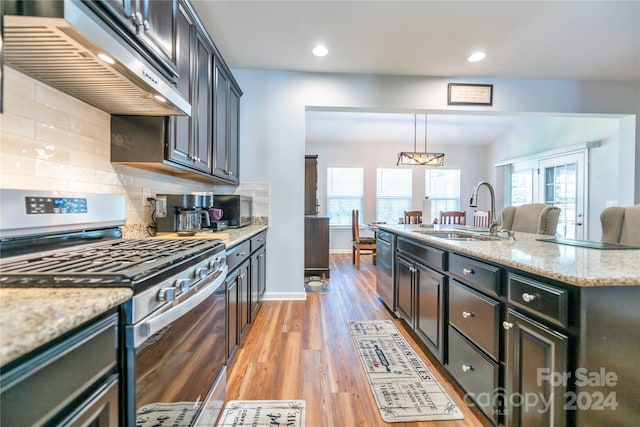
(345, 192)
(443, 188)
(393, 194)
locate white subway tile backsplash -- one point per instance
(57, 100)
(16, 125)
(17, 165)
(17, 83)
(65, 138)
(99, 132)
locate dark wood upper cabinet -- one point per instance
(148, 26)
(204, 146)
(226, 122)
(311, 185)
(180, 141)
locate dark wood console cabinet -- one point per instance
(316, 246)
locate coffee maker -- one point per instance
(180, 213)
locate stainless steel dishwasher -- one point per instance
(385, 249)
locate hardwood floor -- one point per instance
(303, 350)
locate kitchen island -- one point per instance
(535, 333)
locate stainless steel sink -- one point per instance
(456, 235)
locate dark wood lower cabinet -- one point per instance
(232, 315)
(258, 279)
(420, 302)
(316, 246)
(536, 356)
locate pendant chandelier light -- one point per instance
(417, 158)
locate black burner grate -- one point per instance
(116, 261)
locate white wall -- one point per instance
(611, 171)
(470, 161)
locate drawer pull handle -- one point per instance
(467, 368)
(528, 297)
(467, 271)
(507, 325)
(467, 314)
(240, 254)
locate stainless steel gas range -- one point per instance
(173, 330)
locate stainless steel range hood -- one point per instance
(59, 46)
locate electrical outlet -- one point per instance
(612, 203)
(146, 194)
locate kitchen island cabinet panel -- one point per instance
(430, 309)
(476, 316)
(533, 351)
(421, 294)
(475, 372)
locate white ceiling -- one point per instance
(575, 40)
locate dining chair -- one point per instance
(537, 218)
(621, 224)
(360, 245)
(481, 219)
(453, 217)
(413, 217)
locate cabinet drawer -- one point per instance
(432, 257)
(476, 316)
(237, 254)
(258, 240)
(548, 302)
(37, 390)
(475, 372)
(476, 274)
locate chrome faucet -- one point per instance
(473, 202)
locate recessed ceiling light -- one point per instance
(476, 56)
(320, 50)
(106, 58)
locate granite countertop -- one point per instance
(573, 265)
(230, 236)
(31, 317)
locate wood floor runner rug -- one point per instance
(402, 385)
(263, 413)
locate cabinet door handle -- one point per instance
(467, 271)
(507, 325)
(146, 25)
(528, 297)
(467, 314)
(467, 368)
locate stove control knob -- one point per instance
(183, 285)
(202, 272)
(167, 294)
(217, 263)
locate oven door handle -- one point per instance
(162, 320)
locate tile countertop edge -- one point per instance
(572, 265)
(32, 317)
